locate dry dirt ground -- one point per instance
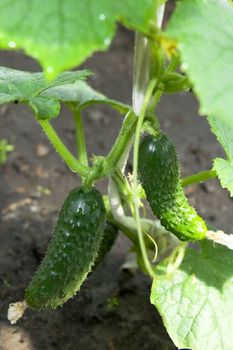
(112, 311)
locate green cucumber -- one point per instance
(109, 237)
(72, 251)
(160, 177)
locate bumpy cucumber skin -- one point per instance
(72, 251)
(109, 237)
(160, 177)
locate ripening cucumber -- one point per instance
(160, 177)
(72, 251)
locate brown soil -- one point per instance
(112, 311)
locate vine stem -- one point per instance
(199, 177)
(80, 136)
(171, 67)
(123, 141)
(135, 178)
(141, 79)
(61, 149)
(127, 223)
(116, 157)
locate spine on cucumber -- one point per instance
(109, 237)
(160, 177)
(72, 251)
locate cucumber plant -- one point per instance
(192, 53)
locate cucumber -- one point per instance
(72, 251)
(160, 177)
(109, 237)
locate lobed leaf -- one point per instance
(44, 97)
(31, 88)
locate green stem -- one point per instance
(61, 149)
(124, 189)
(128, 226)
(173, 64)
(121, 183)
(155, 100)
(106, 166)
(199, 177)
(80, 137)
(170, 68)
(122, 142)
(129, 232)
(135, 179)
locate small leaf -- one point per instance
(204, 32)
(196, 301)
(224, 171)
(31, 88)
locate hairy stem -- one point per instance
(80, 137)
(170, 68)
(123, 140)
(61, 149)
(135, 179)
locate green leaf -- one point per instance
(196, 302)
(204, 32)
(224, 171)
(224, 134)
(62, 34)
(31, 88)
(224, 168)
(82, 95)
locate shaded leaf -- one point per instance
(82, 95)
(196, 301)
(31, 88)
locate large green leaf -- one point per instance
(81, 95)
(62, 34)
(196, 302)
(31, 88)
(204, 32)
